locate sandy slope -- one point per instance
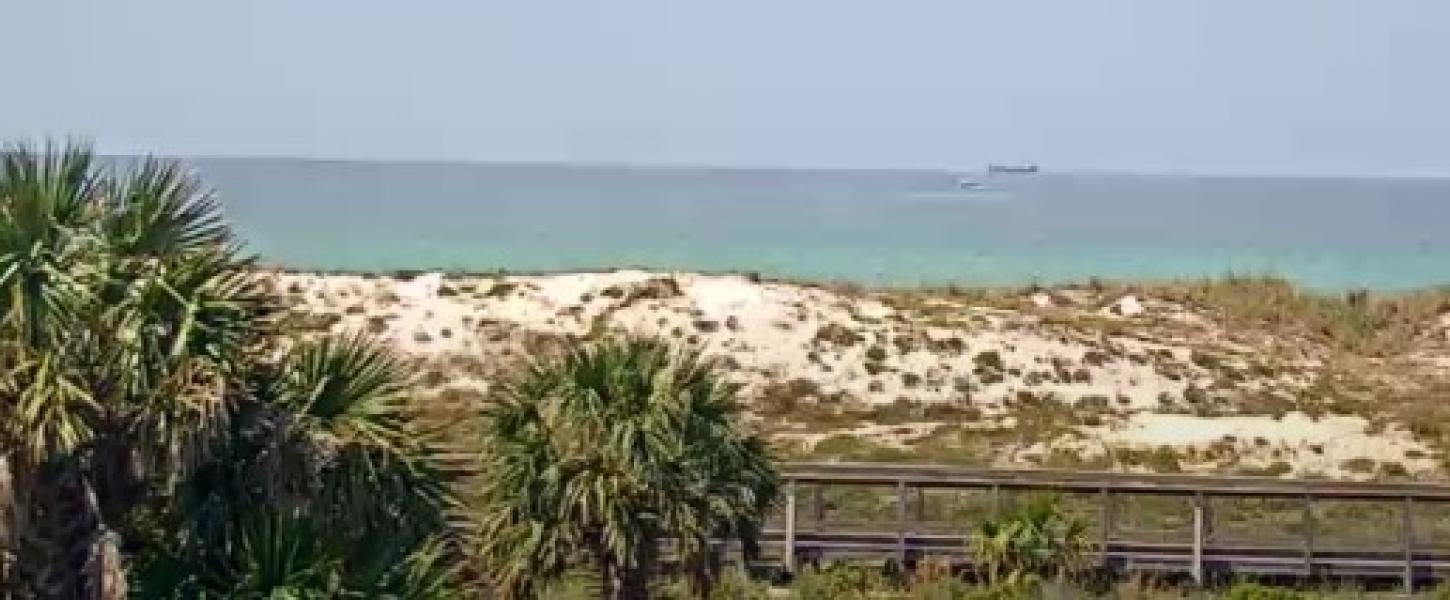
(1134, 373)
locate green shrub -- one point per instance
(1036, 543)
(837, 334)
(500, 289)
(838, 582)
(737, 585)
(989, 360)
(934, 580)
(1254, 591)
(732, 585)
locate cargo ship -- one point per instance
(1017, 169)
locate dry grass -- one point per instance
(1359, 322)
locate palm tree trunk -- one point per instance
(7, 523)
(621, 582)
(608, 584)
(62, 549)
(702, 570)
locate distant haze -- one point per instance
(1223, 86)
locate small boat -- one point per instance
(1014, 169)
(967, 184)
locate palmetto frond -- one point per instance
(280, 556)
(114, 360)
(350, 388)
(161, 209)
(600, 453)
(119, 331)
(136, 353)
(199, 306)
(277, 554)
(49, 412)
(48, 200)
(323, 435)
(348, 394)
(407, 571)
(47, 190)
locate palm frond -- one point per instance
(598, 454)
(278, 555)
(347, 400)
(51, 414)
(350, 387)
(407, 571)
(45, 190)
(135, 348)
(161, 209)
(48, 199)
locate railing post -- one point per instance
(1407, 536)
(788, 559)
(1107, 525)
(996, 501)
(1200, 525)
(920, 505)
(1308, 536)
(901, 523)
(819, 502)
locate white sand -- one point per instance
(1313, 446)
(776, 332)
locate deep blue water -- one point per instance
(876, 227)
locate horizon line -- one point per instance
(727, 166)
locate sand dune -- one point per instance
(1125, 373)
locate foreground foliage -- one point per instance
(150, 426)
(595, 456)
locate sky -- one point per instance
(1343, 87)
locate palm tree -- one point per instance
(139, 381)
(323, 489)
(123, 307)
(596, 456)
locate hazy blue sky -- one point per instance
(1278, 86)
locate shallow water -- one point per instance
(874, 227)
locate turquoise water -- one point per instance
(874, 227)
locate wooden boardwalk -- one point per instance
(1312, 552)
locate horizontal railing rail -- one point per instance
(1093, 481)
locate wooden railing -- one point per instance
(1407, 559)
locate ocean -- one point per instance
(882, 227)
